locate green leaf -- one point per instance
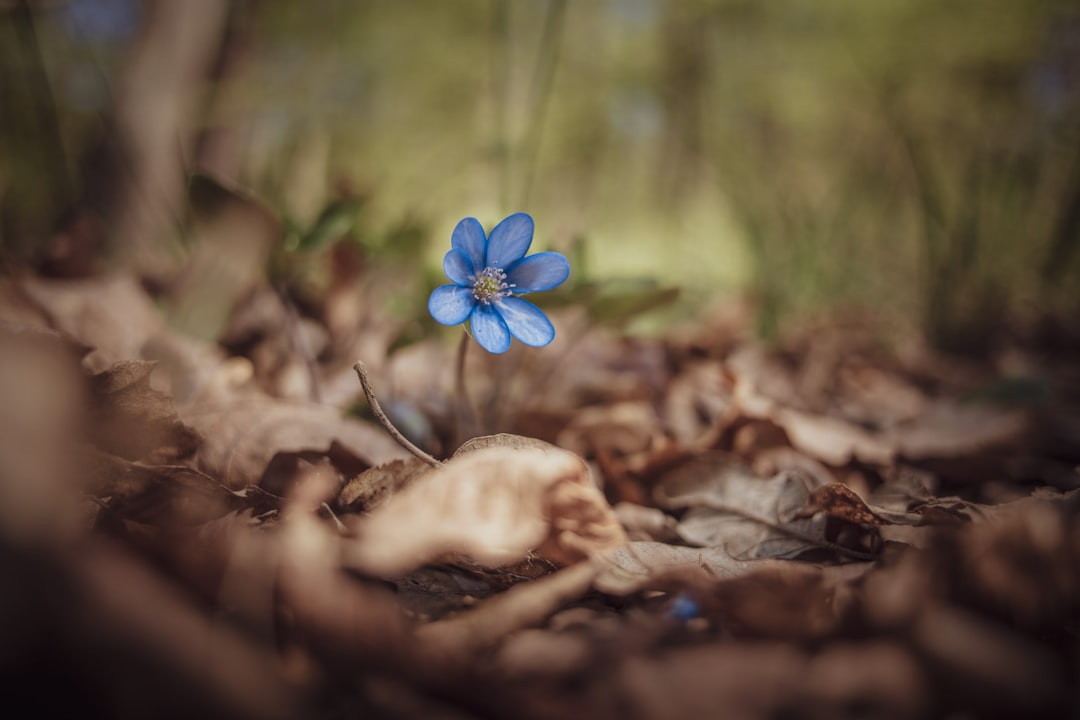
(615, 302)
(209, 196)
(336, 220)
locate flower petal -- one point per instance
(509, 241)
(489, 329)
(526, 322)
(542, 271)
(451, 304)
(458, 267)
(469, 236)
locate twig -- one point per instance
(403, 441)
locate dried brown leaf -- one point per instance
(542, 653)
(841, 502)
(772, 679)
(620, 429)
(42, 418)
(158, 494)
(502, 440)
(132, 629)
(133, 420)
(795, 601)
(950, 430)
(493, 505)
(373, 487)
(639, 565)
(746, 681)
(700, 403)
(243, 432)
(831, 440)
(834, 441)
(17, 308)
(285, 468)
(346, 619)
(873, 396)
(988, 666)
(523, 605)
(749, 517)
(113, 315)
(646, 523)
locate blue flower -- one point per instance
(488, 275)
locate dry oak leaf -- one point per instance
(494, 505)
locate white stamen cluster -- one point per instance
(490, 285)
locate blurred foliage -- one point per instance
(915, 157)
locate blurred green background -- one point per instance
(918, 159)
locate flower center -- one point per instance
(490, 285)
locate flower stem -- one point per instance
(403, 441)
(467, 413)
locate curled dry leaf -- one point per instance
(620, 429)
(502, 440)
(840, 501)
(494, 505)
(831, 440)
(286, 467)
(700, 403)
(646, 523)
(242, 433)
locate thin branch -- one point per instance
(403, 441)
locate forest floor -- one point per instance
(694, 525)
